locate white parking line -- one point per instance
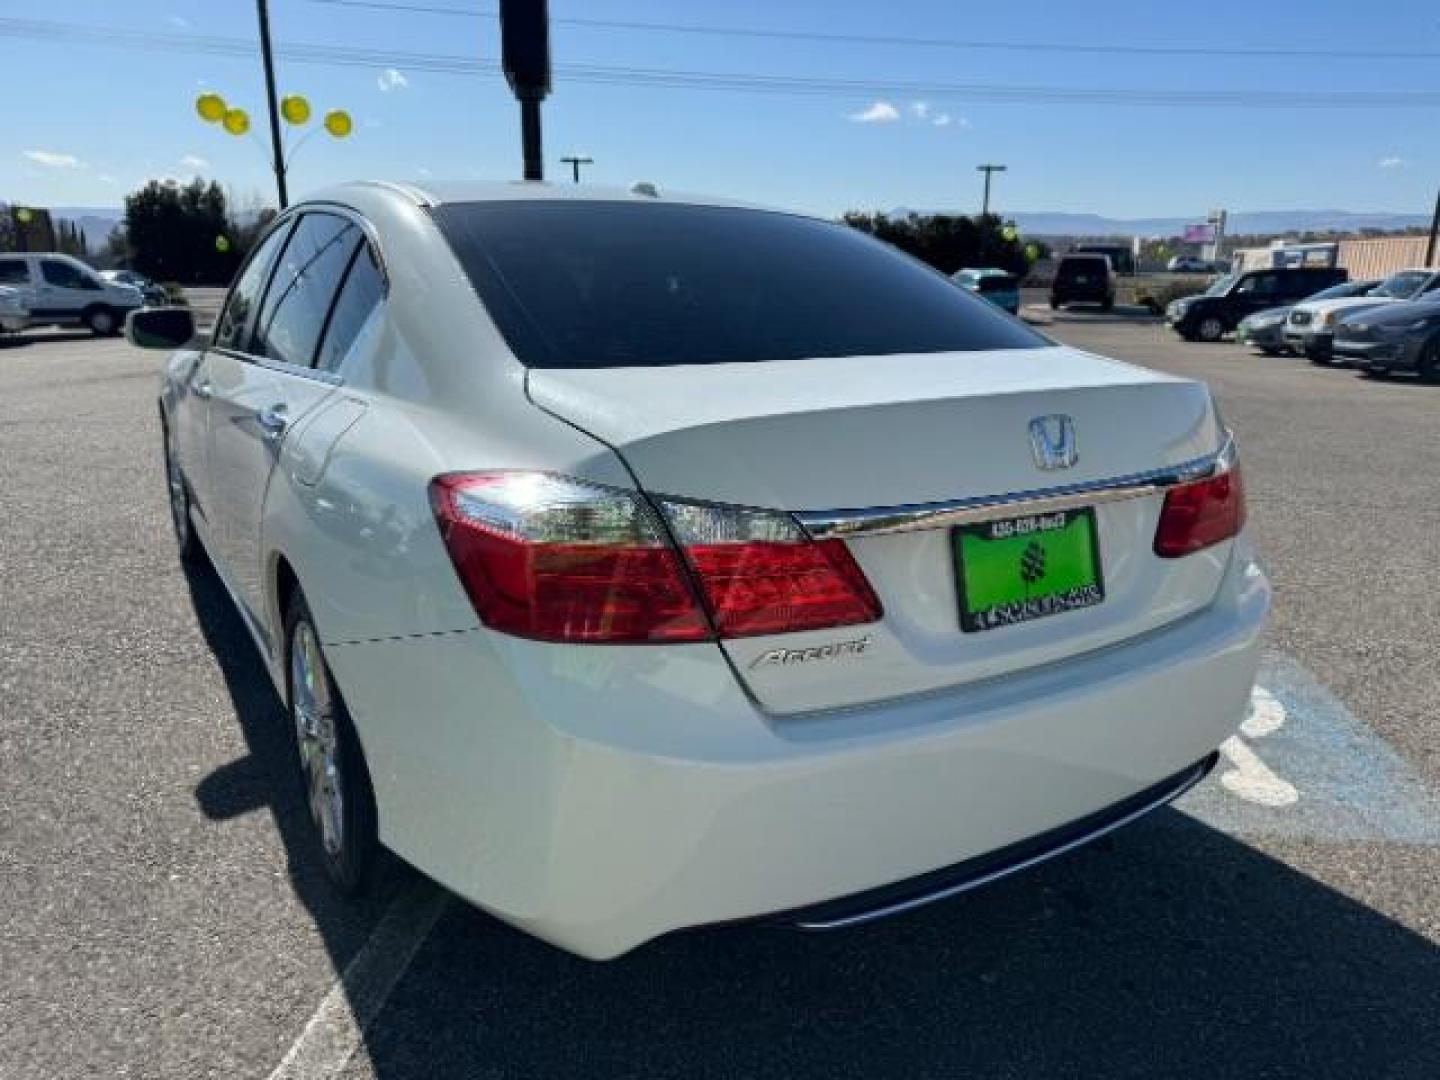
(1251, 779)
(333, 1034)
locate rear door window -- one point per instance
(65, 275)
(359, 296)
(587, 284)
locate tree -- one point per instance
(171, 232)
(948, 242)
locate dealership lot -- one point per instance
(164, 918)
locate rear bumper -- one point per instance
(601, 797)
(1265, 337)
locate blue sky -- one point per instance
(103, 117)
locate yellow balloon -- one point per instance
(222, 244)
(294, 108)
(237, 121)
(23, 214)
(211, 108)
(338, 123)
(1009, 232)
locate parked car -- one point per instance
(153, 293)
(14, 315)
(1219, 309)
(60, 290)
(1310, 327)
(1265, 330)
(1395, 337)
(1190, 264)
(1000, 287)
(1084, 278)
(617, 568)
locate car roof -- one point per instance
(441, 193)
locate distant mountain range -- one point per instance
(1269, 222)
(98, 221)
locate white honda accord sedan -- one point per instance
(629, 562)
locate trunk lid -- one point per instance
(857, 433)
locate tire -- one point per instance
(1210, 329)
(1318, 359)
(1427, 365)
(179, 498)
(1054, 303)
(335, 782)
(1271, 350)
(103, 321)
(1108, 304)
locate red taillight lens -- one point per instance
(556, 559)
(1200, 514)
(760, 574)
(756, 589)
(547, 558)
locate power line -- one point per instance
(734, 82)
(1270, 52)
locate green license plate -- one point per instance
(1025, 568)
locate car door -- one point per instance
(260, 394)
(190, 415)
(64, 290)
(1256, 293)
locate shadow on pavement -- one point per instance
(1169, 950)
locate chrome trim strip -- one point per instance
(881, 521)
(1191, 778)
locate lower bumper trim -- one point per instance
(952, 880)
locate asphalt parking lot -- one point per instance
(162, 916)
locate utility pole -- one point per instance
(1434, 232)
(525, 56)
(575, 163)
(987, 170)
(263, 6)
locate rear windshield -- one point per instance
(611, 284)
(1071, 265)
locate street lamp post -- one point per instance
(263, 7)
(987, 170)
(575, 163)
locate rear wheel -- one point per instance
(1271, 350)
(1054, 303)
(1210, 329)
(1428, 364)
(1319, 359)
(1107, 304)
(102, 322)
(337, 789)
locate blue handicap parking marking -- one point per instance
(1304, 766)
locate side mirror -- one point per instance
(160, 328)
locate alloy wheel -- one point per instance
(317, 738)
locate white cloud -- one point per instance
(941, 119)
(194, 161)
(882, 112)
(423, 171)
(179, 21)
(391, 79)
(921, 109)
(1391, 162)
(106, 178)
(51, 159)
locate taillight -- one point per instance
(761, 574)
(1201, 513)
(556, 559)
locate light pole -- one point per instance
(263, 7)
(575, 163)
(525, 56)
(987, 170)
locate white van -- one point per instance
(60, 290)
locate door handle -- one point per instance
(203, 390)
(272, 420)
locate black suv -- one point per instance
(1089, 278)
(1218, 310)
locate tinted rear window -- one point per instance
(610, 284)
(997, 284)
(1083, 264)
